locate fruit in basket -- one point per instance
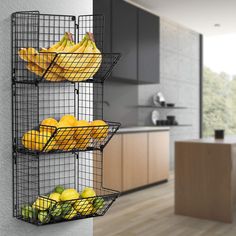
(29, 139)
(59, 189)
(83, 142)
(69, 194)
(70, 214)
(66, 145)
(55, 196)
(44, 137)
(84, 207)
(55, 210)
(83, 130)
(48, 122)
(88, 193)
(27, 212)
(99, 203)
(65, 207)
(70, 119)
(44, 217)
(99, 130)
(42, 203)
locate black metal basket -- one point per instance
(51, 85)
(36, 179)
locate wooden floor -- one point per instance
(150, 212)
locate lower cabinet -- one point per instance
(133, 160)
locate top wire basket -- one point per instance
(45, 48)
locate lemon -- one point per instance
(82, 143)
(66, 145)
(70, 119)
(84, 207)
(99, 132)
(69, 194)
(56, 210)
(43, 217)
(42, 140)
(88, 192)
(55, 196)
(29, 139)
(42, 203)
(48, 122)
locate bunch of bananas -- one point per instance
(64, 60)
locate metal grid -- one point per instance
(37, 177)
(51, 155)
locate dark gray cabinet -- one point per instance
(148, 47)
(124, 39)
(135, 34)
(104, 7)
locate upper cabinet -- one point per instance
(148, 47)
(124, 39)
(134, 33)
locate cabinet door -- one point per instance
(148, 47)
(158, 160)
(104, 7)
(124, 39)
(112, 164)
(134, 160)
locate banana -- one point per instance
(91, 68)
(75, 47)
(39, 71)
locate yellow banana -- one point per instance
(77, 46)
(39, 71)
(90, 70)
(54, 47)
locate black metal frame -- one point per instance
(49, 156)
(200, 85)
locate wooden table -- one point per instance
(205, 178)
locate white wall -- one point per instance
(9, 226)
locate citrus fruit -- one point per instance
(65, 208)
(56, 210)
(70, 119)
(71, 214)
(83, 129)
(29, 139)
(42, 140)
(43, 217)
(99, 203)
(69, 194)
(88, 192)
(27, 212)
(65, 131)
(99, 129)
(84, 207)
(42, 203)
(59, 189)
(66, 145)
(82, 143)
(48, 122)
(55, 196)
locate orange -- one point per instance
(99, 130)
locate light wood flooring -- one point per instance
(150, 212)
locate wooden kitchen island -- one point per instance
(205, 178)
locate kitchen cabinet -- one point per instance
(158, 152)
(124, 39)
(148, 47)
(134, 160)
(112, 164)
(135, 33)
(104, 7)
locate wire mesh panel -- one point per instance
(58, 70)
(48, 190)
(45, 49)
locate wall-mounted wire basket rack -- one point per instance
(51, 85)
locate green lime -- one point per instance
(27, 212)
(66, 207)
(99, 203)
(56, 210)
(43, 217)
(59, 189)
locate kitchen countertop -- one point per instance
(135, 129)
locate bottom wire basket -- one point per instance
(63, 187)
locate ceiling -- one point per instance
(199, 15)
